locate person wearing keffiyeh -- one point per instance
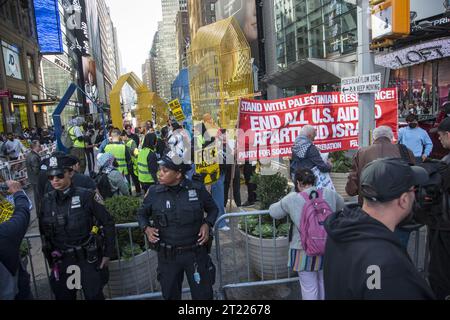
(305, 154)
(107, 165)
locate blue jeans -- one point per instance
(403, 236)
(191, 172)
(217, 192)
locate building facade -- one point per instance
(19, 66)
(183, 38)
(148, 74)
(169, 68)
(108, 47)
(308, 43)
(201, 13)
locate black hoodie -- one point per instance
(357, 245)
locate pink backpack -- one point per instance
(312, 231)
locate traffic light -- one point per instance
(390, 21)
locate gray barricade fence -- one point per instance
(254, 252)
(247, 258)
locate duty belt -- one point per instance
(168, 249)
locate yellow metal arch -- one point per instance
(147, 103)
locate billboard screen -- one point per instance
(90, 80)
(48, 26)
(76, 25)
(245, 13)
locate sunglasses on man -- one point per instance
(59, 176)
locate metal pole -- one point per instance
(366, 65)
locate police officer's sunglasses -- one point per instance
(59, 176)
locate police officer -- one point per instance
(121, 152)
(172, 217)
(70, 222)
(134, 152)
(76, 134)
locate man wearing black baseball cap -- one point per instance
(364, 259)
(70, 222)
(173, 219)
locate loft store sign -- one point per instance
(417, 54)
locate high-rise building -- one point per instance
(183, 38)
(108, 47)
(148, 73)
(160, 62)
(170, 9)
(310, 43)
(201, 13)
(19, 63)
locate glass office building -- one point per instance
(309, 36)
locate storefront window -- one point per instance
(443, 80)
(291, 52)
(423, 87)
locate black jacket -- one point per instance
(178, 212)
(357, 242)
(67, 219)
(13, 231)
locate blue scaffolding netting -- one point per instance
(180, 91)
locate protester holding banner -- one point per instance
(305, 154)
(381, 148)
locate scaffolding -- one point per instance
(220, 72)
(149, 105)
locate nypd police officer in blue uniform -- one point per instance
(173, 218)
(78, 235)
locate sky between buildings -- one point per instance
(136, 22)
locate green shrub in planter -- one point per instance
(341, 163)
(270, 189)
(266, 227)
(124, 209)
(127, 252)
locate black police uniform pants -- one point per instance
(249, 171)
(439, 268)
(236, 184)
(171, 271)
(92, 280)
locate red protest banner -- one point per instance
(268, 128)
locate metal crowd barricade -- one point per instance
(238, 265)
(128, 279)
(257, 271)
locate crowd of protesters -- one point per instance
(376, 229)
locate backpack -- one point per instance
(432, 200)
(66, 139)
(103, 185)
(312, 231)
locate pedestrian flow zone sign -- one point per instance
(367, 83)
(176, 109)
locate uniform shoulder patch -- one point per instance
(98, 198)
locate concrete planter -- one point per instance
(135, 276)
(269, 260)
(339, 181)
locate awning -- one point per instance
(311, 71)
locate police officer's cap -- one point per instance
(58, 162)
(173, 162)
